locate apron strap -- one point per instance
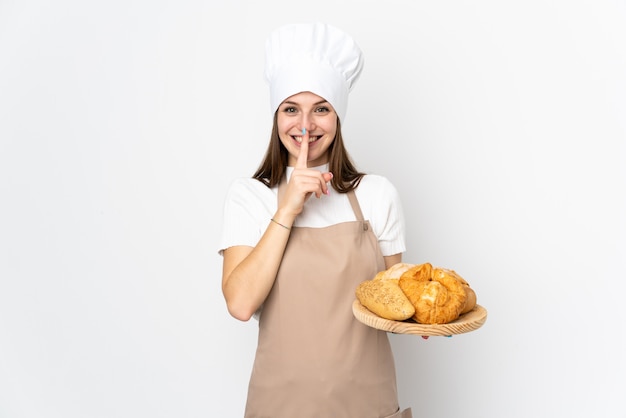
(356, 208)
(281, 188)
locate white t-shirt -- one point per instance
(250, 204)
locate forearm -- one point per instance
(390, 260)
(249, 275)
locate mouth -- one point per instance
(312, 138)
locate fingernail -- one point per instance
(303, 131)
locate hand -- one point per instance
(304, 182)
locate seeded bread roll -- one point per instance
(385, 299)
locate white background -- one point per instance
(122, 123)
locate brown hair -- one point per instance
(272, 170)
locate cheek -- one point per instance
(333, 125)
(282, 133)
(331, 129)
(281, 122)
(285, 140)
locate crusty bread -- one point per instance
(470, 302)
(419, 272)
(437, 299)
(455, 275)
(385, 299)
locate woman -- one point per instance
(302, 234)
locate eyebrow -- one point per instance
(298, 104)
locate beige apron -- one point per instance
(314, 359)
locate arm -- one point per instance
(248, 273)
(390, 260)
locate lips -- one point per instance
(298, 139)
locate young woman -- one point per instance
(302, 234)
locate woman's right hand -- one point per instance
(303, 183)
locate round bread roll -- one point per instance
(394, 272)
(438, 297)
(470, 302)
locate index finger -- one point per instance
(304, 150)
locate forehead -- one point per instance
(305, 97)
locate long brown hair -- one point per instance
(272, 170)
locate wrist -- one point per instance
(283, 218)
(288, 228)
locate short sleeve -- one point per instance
(248, 206)
(382, 205)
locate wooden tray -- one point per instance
(468, 322)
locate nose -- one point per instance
(307, 123)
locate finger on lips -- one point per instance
(304, 150)
(302, 163)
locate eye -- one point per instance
(322, 109)
(290, 109)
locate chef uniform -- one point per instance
(314, 359)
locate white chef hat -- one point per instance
(313, 57)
